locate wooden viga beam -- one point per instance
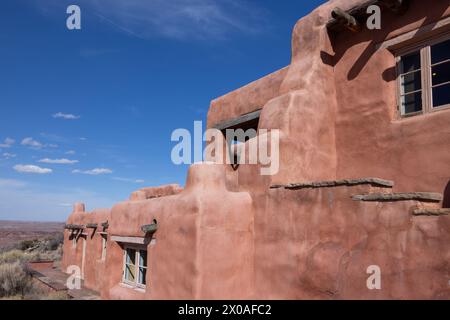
(92, 226)
(150, 228)
(105, 225)
(346, 19)
(74, 227)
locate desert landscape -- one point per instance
(13, 232)
(22, 244)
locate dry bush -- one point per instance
(13, 280)
(16, 256)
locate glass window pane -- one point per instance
(142, 276)
(411, 82)
(440, 52)
(412, 102)
(131, 256)
(410, 62)
(129, 272)
(441, 95)
(441, 73)
(143, 258)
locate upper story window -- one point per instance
(135, 267)
(424, 78)
(239, 130)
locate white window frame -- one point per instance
(424, 48)
(138, 250)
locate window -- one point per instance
(135, 267)
(239, 130)
(424, 78)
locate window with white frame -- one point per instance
(135, 267)
(424, 78)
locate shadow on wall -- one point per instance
(347, 39)
(446, 203)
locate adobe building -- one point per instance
(363, 180)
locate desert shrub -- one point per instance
(51, 244)
(13, 280)
(17, 256)
(10, 247)
(27, 244)
(54, 255)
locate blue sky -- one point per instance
(87, 115)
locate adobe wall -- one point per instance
(203, 246)
(94, 267)
(328, 241)
(335, 106)
(370, 140)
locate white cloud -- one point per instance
(65, 116)
(181, 19)
(129, 180)
(58, 161)
(7, 143)
(34, 144)
(30, 142)
(8, 155)
(94, 172)
(70, 152)
(31, 169)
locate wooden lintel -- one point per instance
(237, 121)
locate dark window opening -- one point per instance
(239, 130)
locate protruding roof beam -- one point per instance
(359, 13)
(73, 227)
(92, 226)
(105, 225)
(346, 19)
(150, 228)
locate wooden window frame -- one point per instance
(137, 266)
(424, 48)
